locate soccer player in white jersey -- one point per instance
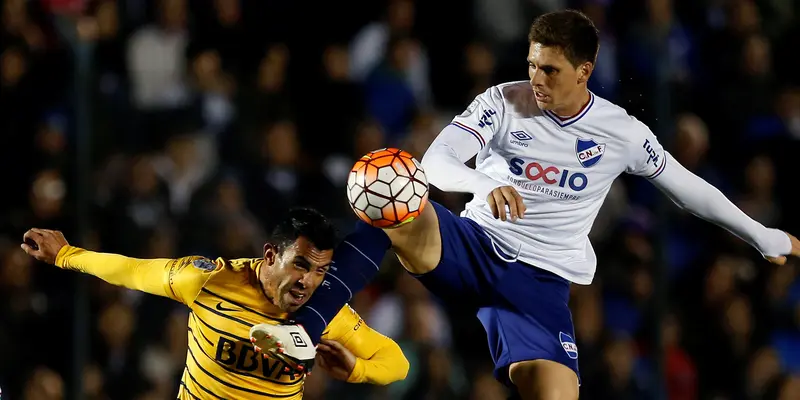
(547, 152)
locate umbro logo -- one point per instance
(298, 340)
(520, 137)
(221, 308)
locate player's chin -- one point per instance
(292, 303)
(291, 309)
(545, 104)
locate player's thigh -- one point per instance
(418, 244)
(450, 255)
(543, 380)
(530, 320)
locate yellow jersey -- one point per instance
(225, 300)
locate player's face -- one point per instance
(556, 82)
(295, 274)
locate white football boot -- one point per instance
(288, 343)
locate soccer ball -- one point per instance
(387, 188)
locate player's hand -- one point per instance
(795, 252)
(335, 359)
(43, 244)
(506, 195)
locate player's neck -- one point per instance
(574, 107)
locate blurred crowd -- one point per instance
(209, 118)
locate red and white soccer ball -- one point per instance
(387, 188)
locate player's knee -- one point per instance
(558, 393)
(546, 391)
(553, 394)
(544, 380)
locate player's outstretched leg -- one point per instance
(388, 191)
(356, 262)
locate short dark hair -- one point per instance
(570, 30)
(305, 222)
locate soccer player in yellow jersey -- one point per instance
(227, 297)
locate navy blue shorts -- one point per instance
(524, 309)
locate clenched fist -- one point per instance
(43, 244)
(794, 252)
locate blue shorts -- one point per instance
(524, 309)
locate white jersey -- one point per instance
(562, 168)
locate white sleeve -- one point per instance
(646, 153)
(459, 141)
(700, 198)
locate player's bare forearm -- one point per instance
(138, 274)
(697, 196)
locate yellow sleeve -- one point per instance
(379, 360)
(179, 279)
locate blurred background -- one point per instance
(174, 127)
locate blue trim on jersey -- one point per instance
(471, 131)
(569, 121)
(660, 169)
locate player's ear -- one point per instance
(584, 72)
(270, 253)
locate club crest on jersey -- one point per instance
(204, 264)
(589, 152)
(569, 345)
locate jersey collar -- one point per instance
(565, 122)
